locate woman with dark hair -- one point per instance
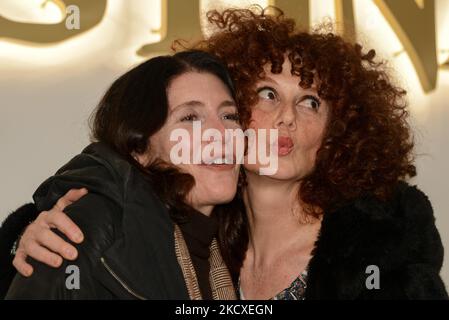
(148, 225)
(338, 219)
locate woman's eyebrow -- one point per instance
(311, 91)
(227, 103)
(191, 103)
(196, 103)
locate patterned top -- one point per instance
(296, 290)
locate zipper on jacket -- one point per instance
(122, 283)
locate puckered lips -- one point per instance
(285, 146)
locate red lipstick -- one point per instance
(285, 146)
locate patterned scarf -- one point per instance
(219, 277)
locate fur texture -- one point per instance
(12, 227)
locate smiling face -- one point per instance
(204, 98)
(299, 115)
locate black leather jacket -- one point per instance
(128, 251)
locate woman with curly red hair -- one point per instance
(337, 220)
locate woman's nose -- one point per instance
(286, 117)
(215, 129)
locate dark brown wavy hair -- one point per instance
(367, 147)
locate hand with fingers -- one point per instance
(41, 243)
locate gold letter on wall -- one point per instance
(414, 24)
(91, 12)
(180, 20)
(299, 10)
(344, 16)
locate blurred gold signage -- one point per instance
(413, 21)
(90, 13)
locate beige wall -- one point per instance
(47, 94)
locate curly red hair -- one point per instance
(368, 144)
